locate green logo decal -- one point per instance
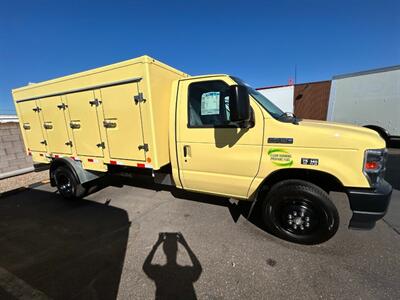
(280, 157)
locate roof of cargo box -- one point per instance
(204, 76)
(142, 59)
(373, 71)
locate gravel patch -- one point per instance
(15, 182)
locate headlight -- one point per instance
(375, 165)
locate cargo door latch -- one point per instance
(62, 106)
(144, 147)
(101, 145)
(139, 98)
(95, 102)
(36, 109)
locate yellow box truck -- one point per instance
(210, 134)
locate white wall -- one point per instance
(371, 99)
(280, 96)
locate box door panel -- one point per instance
(55, 125)
(82, 111)
(122, 121)
(32, 125)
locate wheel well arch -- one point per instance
(324, 180)
(58, 162)
(380, 130)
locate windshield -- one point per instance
(274, 110)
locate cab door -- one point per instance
(213, 156)
(54, 123)
(32, 125)
(83, 110)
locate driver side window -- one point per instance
(208, 104)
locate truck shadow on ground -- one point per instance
(236, 208)
(393, 170)
(60, 249)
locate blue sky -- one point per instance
(259, 41)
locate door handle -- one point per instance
(75, 124)
(47, 125)
(109, 124)
(186, 151)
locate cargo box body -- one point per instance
(116, 114)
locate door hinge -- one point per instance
(101, 145)
(36, 109)
(69, 143)
(139, 98)
(62, 106)
(44, 142)
(95, 102)
(144, 147)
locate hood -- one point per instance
(323, 134)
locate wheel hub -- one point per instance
(298, 218)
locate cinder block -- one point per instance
(21, 155)
(5, 131)
(7, 169)
(16, 131)
(17, 161)
(3, 163)
(4, 145)
(19, 146)
(10, 156)
(10, 151)
(10, 138)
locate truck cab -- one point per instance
(228, 139)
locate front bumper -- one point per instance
(368, 205)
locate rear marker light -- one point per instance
(90, 160)
(113, 162)
(141, 165)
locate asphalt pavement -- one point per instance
(144, 241)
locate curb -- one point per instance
(23, 188)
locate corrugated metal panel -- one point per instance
(311, 100)
(280, 96)
(368, 99)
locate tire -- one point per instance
(68, 184)
(300, 212)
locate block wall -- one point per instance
(12, 150)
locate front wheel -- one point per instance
(300, 212)
(67, 183)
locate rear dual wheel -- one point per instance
(68, 184)
(300, 212)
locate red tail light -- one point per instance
(372, 165)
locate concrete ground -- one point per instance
(116, 242)
(26, 179)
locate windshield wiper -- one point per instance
(289, 117)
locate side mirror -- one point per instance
(239, 103)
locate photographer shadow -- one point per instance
(172, 280)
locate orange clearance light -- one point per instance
(149, 160)
(371, 165)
